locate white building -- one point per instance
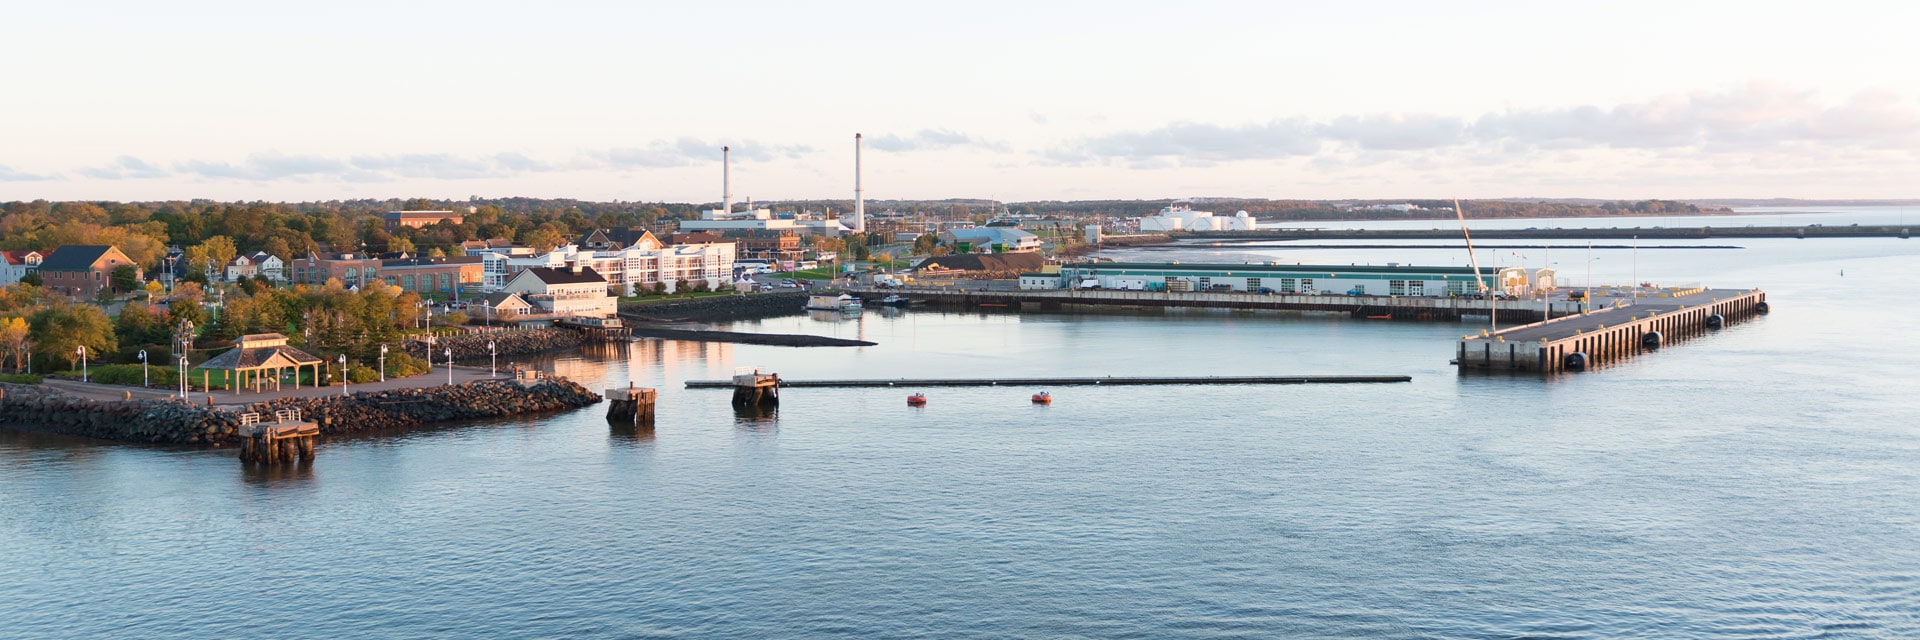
(719, 220)
(993, 239)
(1180, 218)
(241, 267)
(15, 265)
(269, 265)
(641, 265)
(577, 292)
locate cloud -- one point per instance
(124, 168)
(930, 140)
(268, 167)
(686, 152)
(9, 174)
(1757, 117)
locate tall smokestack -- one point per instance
(726, 179)
(859, 200)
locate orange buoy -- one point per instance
(1043, 398)
(917, 400)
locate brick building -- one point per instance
(82, 270)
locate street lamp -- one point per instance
(493, 369)
(82, 350)
(383, 363)
(429, 352)
(449, 363)
(343, 374)
(144, 381)
(183, 377)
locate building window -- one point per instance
(1397, 287)
(1417, 288)
(1456, 287)
(1289, 285)
(1206, 283)
(1306, 285)
(408, 280)
(1253, 284)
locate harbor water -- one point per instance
(1759, 481)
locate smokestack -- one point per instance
(726, 179)
(859, 200)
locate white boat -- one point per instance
(842, 302)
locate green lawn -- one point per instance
(672, 297)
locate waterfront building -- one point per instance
(998, 265)
(1181, 218)
(643, 264)
(991, 240)
(719, 220)
(578, 291)
(1273, 277)
(452, 275)
(15, 265)
(82, 270)
(417, 219)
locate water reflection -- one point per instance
(756, 420)
(299, 474)
(640, 432)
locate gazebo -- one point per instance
(258, 359)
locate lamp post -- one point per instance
(429, 352)
(449, 365)
(82, 350)
(493, 368)
(343, 374)
(144, 380)
(183, 378)
(383, 363)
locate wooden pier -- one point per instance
(284, 441)
(1062, 381)
(1609, 335)
(631, 404)
(752, 388)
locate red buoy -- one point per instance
(1043, 398)
(917, 400)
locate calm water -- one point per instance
(1763, 481)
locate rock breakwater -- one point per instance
(755, 305)
(174, 422)
(510, 343)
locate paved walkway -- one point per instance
(435, 378)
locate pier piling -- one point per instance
(286, 440)
(751, 388)
(631, 404)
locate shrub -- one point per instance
(20, 378)
(362, 374)
(128, 375)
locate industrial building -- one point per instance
(1273, 277)
(1179, 218)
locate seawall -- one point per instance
(43, 409)
(757, 305)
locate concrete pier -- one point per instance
(1609, 335)
(1365, 306)
(630, 404)
(1063, 381)
(753, 388)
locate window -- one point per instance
(1397, 287)
(1289, 285)
(1417, 288)
(1306, 285)
(1253, 284)
(1456, 287)
(409, 282)
(446, 281)
(1205, 282)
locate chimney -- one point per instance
(726, 180)
(859, 200)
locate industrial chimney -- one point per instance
(859, 200)
(726, 180)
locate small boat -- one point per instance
(917, 400)
(1043, 398)
(894, 300)
(1380, 317)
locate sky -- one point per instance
(1013, 101)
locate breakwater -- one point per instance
(758, 305)
(170, 421)
(509, 343)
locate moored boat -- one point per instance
(917, 400)
(1043, 398)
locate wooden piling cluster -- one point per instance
(751, 388)
(1607, 336)
(631, 404)
(284, 441)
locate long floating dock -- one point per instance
(1579, 342)
(1061, 382)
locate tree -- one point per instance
(60, 329)
(142, 324)
(124, 278)
(155, 290)
(543, 238)
(13, 340)
(398, 244)
(217, 251)
(32, 278)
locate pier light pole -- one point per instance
(493, 368)
(144, 380)
(82, 350)
(183, 378)
(449, 364)
(383, 363)
(343, 374)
